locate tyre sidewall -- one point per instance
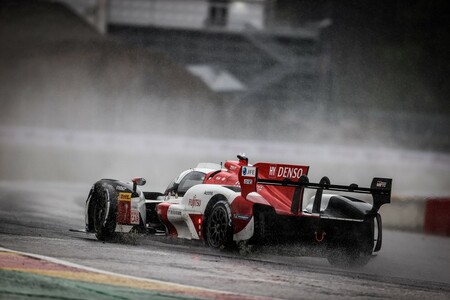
(105, 230)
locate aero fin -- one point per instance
(381, 192)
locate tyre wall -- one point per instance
(437, 216)
(425, 215)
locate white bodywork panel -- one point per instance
(194, 203)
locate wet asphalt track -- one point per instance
(37, 217)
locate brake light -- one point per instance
(197, 220)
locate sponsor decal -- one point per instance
(208, 193)
(194, 202)
(290, 172)
(174, 212)
(242, 217)
(381, 184)
(249, 171)
(272, 171)
(120, 188)
(124, 196)
(248, 181)
(125, 211)
(134, 218)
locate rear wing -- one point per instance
(380, 189)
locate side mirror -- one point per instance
(138, 181)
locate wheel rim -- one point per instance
(217, 227)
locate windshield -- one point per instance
(171, 187)
(189, 181)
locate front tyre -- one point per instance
(219, 232)
(104, 214)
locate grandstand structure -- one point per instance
(238, 48)
(249, 66)
(300, 73)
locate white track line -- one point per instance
(155, 281)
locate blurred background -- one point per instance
(124, 88)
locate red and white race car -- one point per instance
(243, 204)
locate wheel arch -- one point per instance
(214, 199)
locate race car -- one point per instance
(242, 204)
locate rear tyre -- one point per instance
(104, 215)
(219, 232)
(356, 252)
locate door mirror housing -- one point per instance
(138, 181)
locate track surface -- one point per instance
(37, 217)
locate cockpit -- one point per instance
(187, 179)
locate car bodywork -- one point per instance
(242, 204)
